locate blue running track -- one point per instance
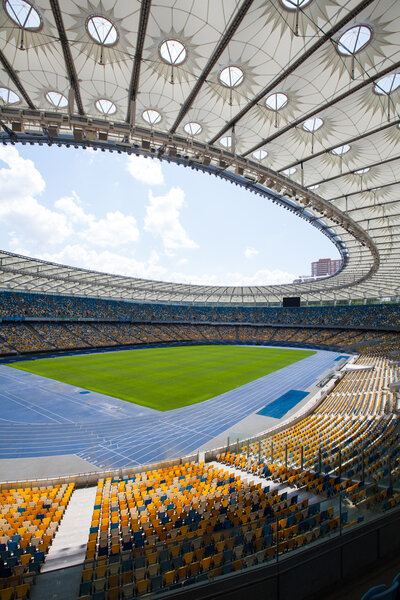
(43, 417)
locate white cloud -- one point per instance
(107, 262)
(261, 277)
(113, 231)
(145, 170)
(19, 209)
(162, 220)
(71, 207)
(250, 252)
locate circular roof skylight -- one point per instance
(193, 128)
(105, 107)
(289, 171)
(353, 40)
(388, 84)
(56, 99)
(276, 101)
(312, 124)
(8, 96)
(231, 77)
(362, 171)
(260, 154)
(172, 52)
(102, 31)
(226, 141)
(341, 149)
(313, 187)
(295, 4)
(151, 116)
(23, 14)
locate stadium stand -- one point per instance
(20, 305)
(29, 519)
(173, 526)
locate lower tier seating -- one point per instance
(29, 519)
(45, 336)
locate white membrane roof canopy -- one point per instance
(298, 97)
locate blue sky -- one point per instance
(140, 217)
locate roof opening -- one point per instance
(151, 116)
(56, 99)
(102, 31)
(387, 84)
(23, 14)
(173, 52)
(276, 101)
(8, 96)
(193, 128)
(105, 107)
(231, 77)
(353, 40)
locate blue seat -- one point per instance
(85, 588)
(156, 582)
(38, 557)
(12, 546)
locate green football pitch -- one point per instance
(166, 378)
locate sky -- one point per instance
(144, 218)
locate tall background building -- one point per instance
(325, 266)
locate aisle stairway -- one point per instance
(67, 551)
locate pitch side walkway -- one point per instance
(48, 418)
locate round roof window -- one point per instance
(362, 171)
(295, 4)
(193, 128)
(260, 154)
(23, 14)
(102, 31)
(312, 124)
(56, 99)
(151, 116)
(105, 107)
(341, 149)
(8, 96)
(172, 52)
(387, 84)
(226, 141)
(313, 187)
(276, 101)
(353, 40)
(289, 171)
(231, 77)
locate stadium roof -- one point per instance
(296, 100)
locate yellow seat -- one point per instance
(22, 591)
(25, 558)
(142, 585)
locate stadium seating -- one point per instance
(29, 519)
(20, 305)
